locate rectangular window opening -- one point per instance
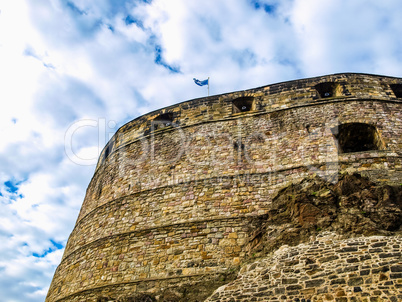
(397, 90)
(357, 137)
(327, 89)
(163, 121)
(243, 104)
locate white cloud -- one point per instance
(63, 62)
(347, 36)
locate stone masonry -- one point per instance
(179, 192)
(324, 269)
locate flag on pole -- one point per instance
(201, 83)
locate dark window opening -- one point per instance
(357, 137)
(163, 121)
(327, 89)
(397, 90)
(243, 104)
(107, 152)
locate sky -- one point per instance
(73, 71)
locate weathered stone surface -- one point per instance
(353, 206)
(325, 261)
(320, 286)
(183, 196)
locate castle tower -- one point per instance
(178, 193)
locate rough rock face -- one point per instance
(338, 256)
(353, 206)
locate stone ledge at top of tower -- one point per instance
(255, 101)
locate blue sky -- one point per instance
(73, 71)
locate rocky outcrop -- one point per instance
(351, 207)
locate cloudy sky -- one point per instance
(73, 71)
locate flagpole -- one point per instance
(208, 86)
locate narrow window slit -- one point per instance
(108, 150)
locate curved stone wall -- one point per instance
(175, 191)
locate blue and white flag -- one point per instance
(201, 83)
